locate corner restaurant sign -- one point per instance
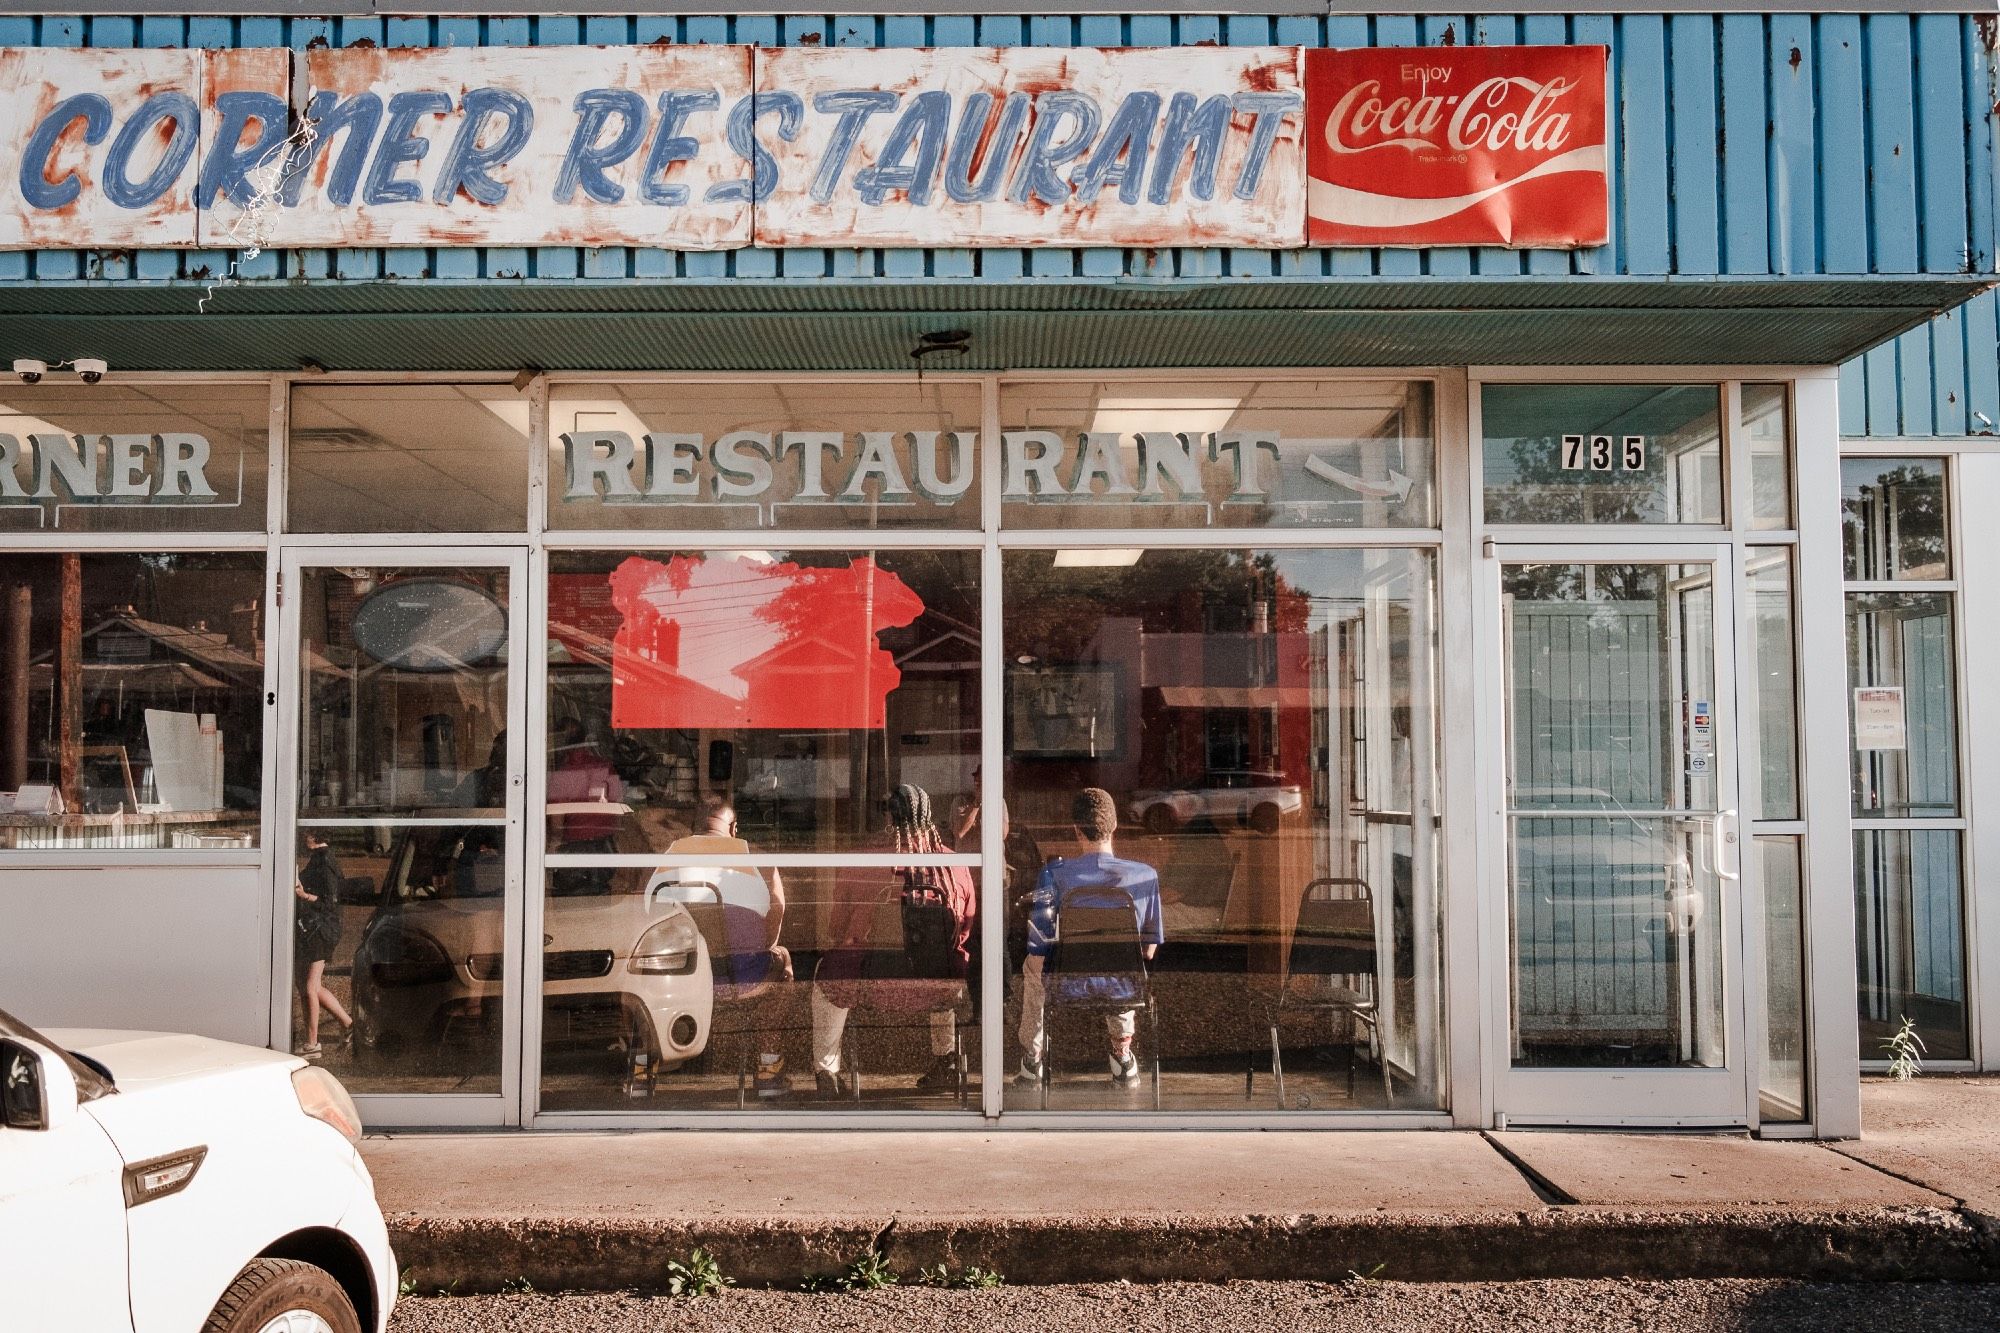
(718, 147)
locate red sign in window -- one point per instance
(745, 640)
(1456, 145)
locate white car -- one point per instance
(617, 966)
(1235, 797)
(152, 1181)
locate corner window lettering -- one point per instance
(168, 468)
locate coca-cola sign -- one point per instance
(1468, 145)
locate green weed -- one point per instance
(971, 1278)
(1906, 1052)
(701, 1275)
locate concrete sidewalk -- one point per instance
(608, 1211)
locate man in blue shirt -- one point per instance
(1096, 876)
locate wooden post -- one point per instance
(14, 654)
(69, 686)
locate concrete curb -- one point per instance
(469, 1254)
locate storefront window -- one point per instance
(131, 700)
(1224, 762)
(1773, 682)
(134, 458)
(408, 458)
(1193, 453)
(1893, 518)
(1909, 927)
(1903, 704)
(1767, 433)
(731, 704)
(763, 454)
(1782, 1091)
(1602, 453)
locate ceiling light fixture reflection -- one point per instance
(1189, 416)
(1106, 557)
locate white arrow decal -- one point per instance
(1397, 486)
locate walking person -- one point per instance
(316, 920)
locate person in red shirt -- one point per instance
(864, 896)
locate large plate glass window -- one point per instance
(406, 458)
(793, 454)
(1193, 453)
(80, 457)
(1222, 829)
(131, 700)
(1603, 453)
(706, 709)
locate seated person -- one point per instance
(1080, 880)
(753, 915)
(846, 972)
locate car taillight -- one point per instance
(323, 1098)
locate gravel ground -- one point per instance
(1246, 1307)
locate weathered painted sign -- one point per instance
(713, 147)
(1032, 146)
(114, 148)
(632, 145)
(1457, 145)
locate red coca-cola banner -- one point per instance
(1457, 145)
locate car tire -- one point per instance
(1264, 819)
(1160, 818)
(270, 1289)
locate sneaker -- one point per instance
(942, 1075)
(829, 1086)
(1029, 1074)
(772, 1080)
(311, 1051)
(1125, 1069)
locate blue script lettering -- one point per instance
(36, 187)
(854, 107)
(1267, 112)
(959, 184)
(356, 119)
(225, 172)
(588, 156)
(671, 146)
(922, 128)
(742, 134)
(1038, 178)
(468, 165)
(119, 187)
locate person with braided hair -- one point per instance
(924, 972)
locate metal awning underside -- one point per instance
(1068, 323)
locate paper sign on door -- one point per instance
(1878, 718)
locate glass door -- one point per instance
(404, 811)
(1620, 855)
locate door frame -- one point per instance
(411, 1110)
(1637, 1098)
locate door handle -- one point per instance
(1723, 831)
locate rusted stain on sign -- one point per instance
(1033, 146)
(532, 146)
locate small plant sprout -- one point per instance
(406, 1282)
(518, 1286)
(869, 1272)
(701, 1275)
(1906, 1052)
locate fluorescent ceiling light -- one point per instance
(1126, 417)
(1109, 557)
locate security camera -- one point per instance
(30, 371)
(90, 369)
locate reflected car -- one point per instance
(1258, 799)
(618, 970)
(161, 1181)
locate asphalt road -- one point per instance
(1245, 1307)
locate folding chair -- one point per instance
(1097, 965)
(1333, 945)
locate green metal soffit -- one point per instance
(862, 324)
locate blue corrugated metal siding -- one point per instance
(1740, 144)
(1942, 379)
